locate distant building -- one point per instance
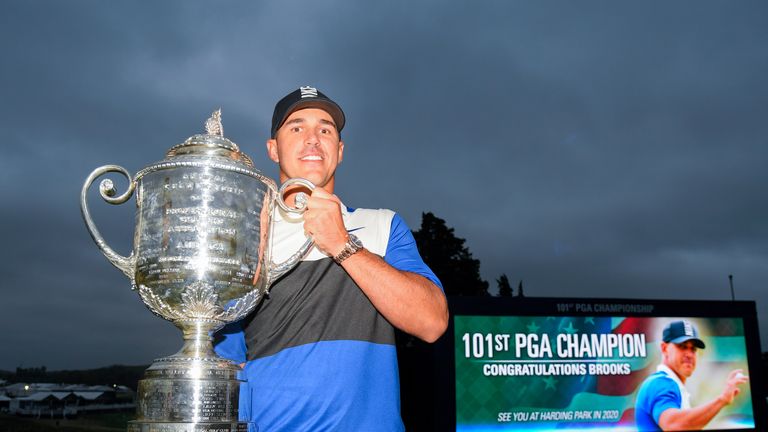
(62, 400)
(5, 403)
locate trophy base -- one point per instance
(182, 394)
(144, 426)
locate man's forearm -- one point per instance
(408, 301)
(692, 418)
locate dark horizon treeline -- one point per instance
(453, 263)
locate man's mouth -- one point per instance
(311, 158)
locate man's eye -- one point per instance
(295, 129)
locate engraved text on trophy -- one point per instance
(202, 221)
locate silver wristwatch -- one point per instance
(350, 248)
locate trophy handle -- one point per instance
(277, 270)
(107, 191)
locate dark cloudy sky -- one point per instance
(591, 148)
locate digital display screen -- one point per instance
(583, 371)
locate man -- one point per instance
(662, 402)
(319, 351)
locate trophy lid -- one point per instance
(212, 143)
(208, 149)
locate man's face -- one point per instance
(681, 358)
(307, 145)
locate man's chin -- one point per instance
(317, 180)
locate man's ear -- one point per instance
(272, 150)
(341, 151)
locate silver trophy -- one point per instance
(201, 259)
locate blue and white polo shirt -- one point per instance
(319, 355)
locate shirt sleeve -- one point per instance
(229, 342)
(666, 396)
(402, 252)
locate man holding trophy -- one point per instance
(319, 351)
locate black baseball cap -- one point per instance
(306, 97)
(678, 332)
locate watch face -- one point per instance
(355, 241)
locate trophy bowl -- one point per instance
(201, 259)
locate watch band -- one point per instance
(352, 246)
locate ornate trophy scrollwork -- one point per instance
(201, 259)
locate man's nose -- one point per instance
(312, 138)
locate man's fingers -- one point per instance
(737, 377)
(321, 193)
(319, 202)
(735, 393)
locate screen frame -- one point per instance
(445, 377)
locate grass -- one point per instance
(105, 422)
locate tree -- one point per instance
(453, 264)
(765, 372)
(520, 289)
(505, 290)
(447, 256)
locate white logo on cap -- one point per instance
(687, 328)
(308, 91)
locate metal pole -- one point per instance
(730, 281)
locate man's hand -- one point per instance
(323, 222)
(408, 301)
(735, 379)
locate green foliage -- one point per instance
(505, 290)
(447, 256)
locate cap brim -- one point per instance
(698, 343)
(326, 105)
